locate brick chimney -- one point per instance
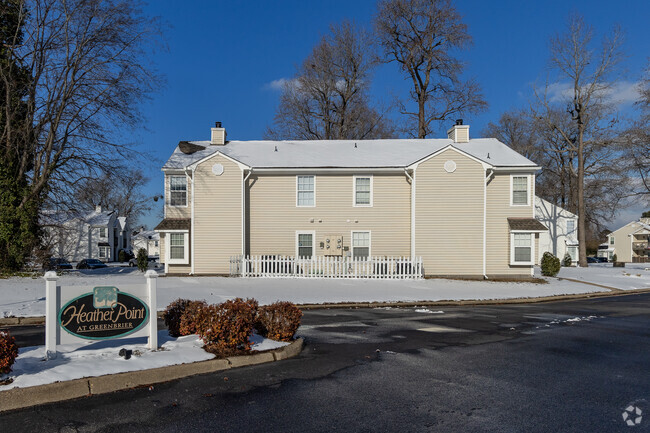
(218, 136)
(459, 133)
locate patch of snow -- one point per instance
(426, 310)
(89, 359)
(26, 296)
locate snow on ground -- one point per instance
(100, 358)
(26, 296)
(633, 276)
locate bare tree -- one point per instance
(88, 70)
(421, 36)
(636, 143)
(119, 189)
(589, 132)
(328, 97)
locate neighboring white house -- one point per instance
(562, 235)
(147, 239)
(76, 236)
(630, 243)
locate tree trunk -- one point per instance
(582, 238)
(422, 127)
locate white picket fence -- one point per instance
(273, 266)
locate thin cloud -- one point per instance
(279, 84)
(618, 93)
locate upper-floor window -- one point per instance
(363, 190)
(520, 194)
(305, 191)
(177, 191)
(570, 227)
(103, 232)
(611, 240)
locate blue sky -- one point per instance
(224, 56)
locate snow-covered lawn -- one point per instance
(632, 277)
(100, 358)
(26, 296)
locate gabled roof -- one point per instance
(94, 218)
(343, 153)
(174, 224)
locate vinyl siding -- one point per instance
(274, 217)
(498, 232)
(217, 216)
(177, 211)
(449, 215)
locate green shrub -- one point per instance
(225, 328)
(142, 259)
(121, 256)
(278, 321)
(8, 352)
(614, 258)
(566, 261)
(550, 265)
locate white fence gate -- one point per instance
(326, 267)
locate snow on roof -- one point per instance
(147, 234)
(122, 222)
(99, 218)
(346, 153)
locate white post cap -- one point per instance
(50, 276)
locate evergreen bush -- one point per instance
(566, 261)
(614, 258)
(121, 256)
(142, 259)
(550, 265)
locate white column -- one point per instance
(50, 314)
(152, 282)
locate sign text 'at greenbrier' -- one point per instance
(103, 313)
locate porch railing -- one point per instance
(275, 266)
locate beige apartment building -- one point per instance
(630, 243)
(464, 207)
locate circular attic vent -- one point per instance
(450, 166)
(217, 169)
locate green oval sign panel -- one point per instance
(103, 314)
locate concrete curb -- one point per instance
(19, 398)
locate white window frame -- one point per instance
(611, 240)
(570, 232)
(314, 191)
(354, 190)
(186, 190)
(313, 242)
(186, 244)
(369, 242)
(103, 232)
(106, 249)
(528, 188)
(512, 248)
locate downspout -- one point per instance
(192, 226)
(487, 179)
(412, 179)
(243, 213)
(535, 253)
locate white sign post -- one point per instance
(77, 313)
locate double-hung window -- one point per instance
(363, 191)
(305, 191)
(103, 232)
(305, 244)
(520, 194)
(178, 191)
(177, 246)
(103, 252)
(570, 227)
(611, 240)
(360, 245)
(521, 248)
